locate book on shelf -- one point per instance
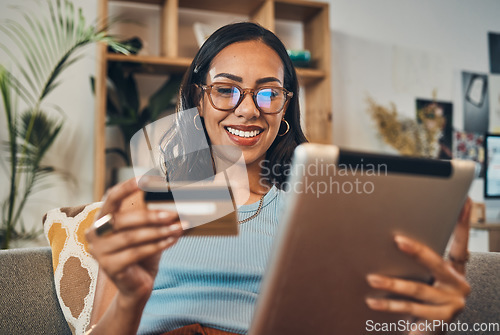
(300, 58)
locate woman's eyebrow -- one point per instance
(267, 80)
(240, 79)
(229, 76)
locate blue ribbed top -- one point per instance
(211, 280)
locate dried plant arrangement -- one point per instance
(410, 137)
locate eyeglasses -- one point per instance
(227, 97)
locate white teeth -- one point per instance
(242, 133)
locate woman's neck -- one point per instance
(258, 185)
(236, 173)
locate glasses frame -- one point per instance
(244, 91)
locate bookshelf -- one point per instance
(312, 16)
(493, 230)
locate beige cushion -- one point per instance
(75, 271)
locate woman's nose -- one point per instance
(247, 108)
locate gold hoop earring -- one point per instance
(287, 128)
(194, 121)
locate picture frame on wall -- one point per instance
(469, 146)
(475, 102)
(494, 51)
(494, 95)
(438, 114)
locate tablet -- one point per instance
(341, 212)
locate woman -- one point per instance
(246, 92)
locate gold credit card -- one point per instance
(205, 209)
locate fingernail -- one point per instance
(375, 280)
(186, 224)
(166, 242)
(175, 227)
(163, 215)
(374, 303)
(404, 243)
(165, 230)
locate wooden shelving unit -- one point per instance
(316, 82)
(493, 230)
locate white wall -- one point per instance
(443, 37)
(73, 151)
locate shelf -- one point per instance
(149, 2)
(297, 10)
(153, 64)
(284, 9)
(241, 7)
(309, 76)
(486, 226)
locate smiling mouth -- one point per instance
(242, 133)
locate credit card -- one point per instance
(205, 209)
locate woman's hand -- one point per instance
(446, 297)
(130, 254)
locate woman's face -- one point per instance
(249, 64)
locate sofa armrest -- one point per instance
(29, 303)
(483, 304)
(28, 298)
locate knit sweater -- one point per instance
(211, 280)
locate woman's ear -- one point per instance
(285, 109)
(199, 104)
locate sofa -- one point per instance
(29, 305)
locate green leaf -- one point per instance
(22, 40)
(162, 99)
(81, 23)
(119, 121)
(70, 22)
(19, 66)
(51, 81)
(55, 26)
(112, 106)
(24, 93)
(125, 88)
(39, 42)
(38, 132)
(60, 22)
(5, 90)
(51, 36)
(144, 118)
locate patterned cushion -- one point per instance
(75, 271)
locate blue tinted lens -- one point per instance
(265, 98)
(225, 96)
(235, 96)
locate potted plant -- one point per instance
(46, 46)
(123, 104)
